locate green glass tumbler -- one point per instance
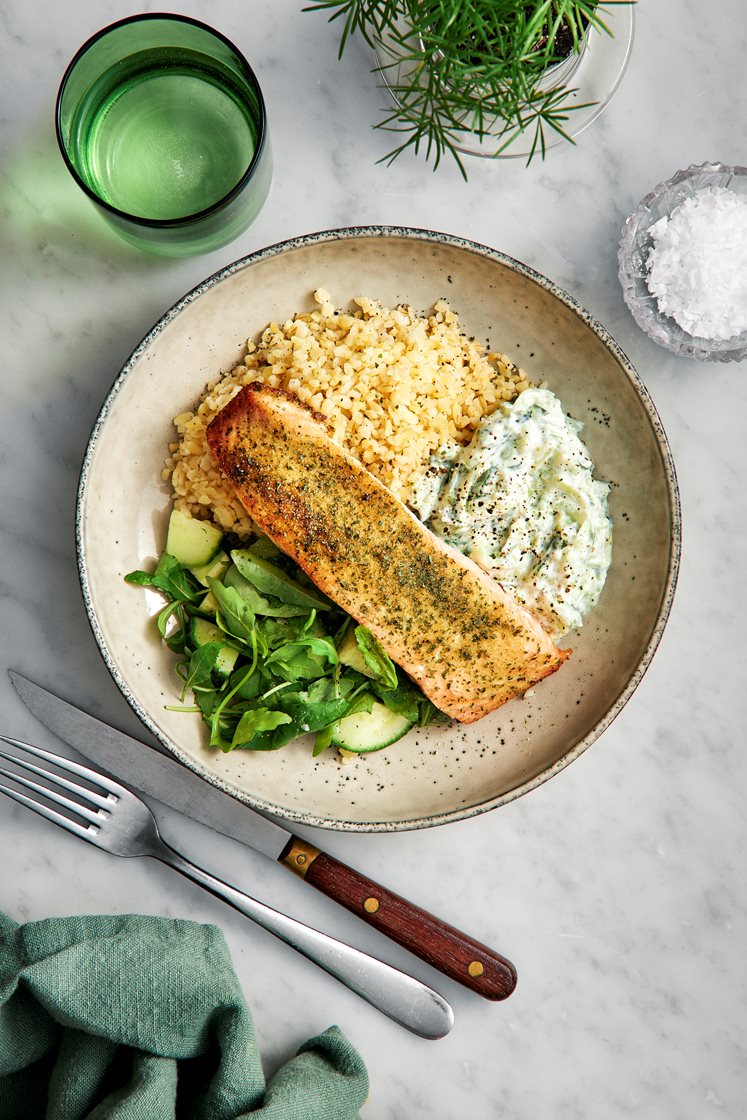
(162, 123)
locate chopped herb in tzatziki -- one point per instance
(521, 501)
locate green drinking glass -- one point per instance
(162, 123)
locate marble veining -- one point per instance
(617, 888)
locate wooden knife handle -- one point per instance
(442, 946)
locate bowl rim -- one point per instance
(395, 232)
(689, 345)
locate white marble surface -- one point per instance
(619, 887)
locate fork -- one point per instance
(120, 823)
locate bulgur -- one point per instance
(394, 385)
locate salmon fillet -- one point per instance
(452, 628)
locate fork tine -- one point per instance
(67, 764)
(53, 795)
(86, 794)
(46, 811)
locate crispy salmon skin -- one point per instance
(451, 627)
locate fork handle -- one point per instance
(403, 998)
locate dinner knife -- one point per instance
(445, 948)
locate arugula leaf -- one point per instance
(201, 665)
(378, 662)
(169, 577)
(362, 702)
(207, 700)
(175, 638)
(276, 632)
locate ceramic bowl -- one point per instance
(637, 243)
(436, 775)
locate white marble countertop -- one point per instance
(619, 887)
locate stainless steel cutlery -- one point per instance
(110, 816)
(452, 952)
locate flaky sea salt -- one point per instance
(697, 268)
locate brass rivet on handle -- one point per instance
(371, 905)
(475, 968)
(299, 856)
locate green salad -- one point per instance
(267, 657)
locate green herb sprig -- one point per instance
(471, 66)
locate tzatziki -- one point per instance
(521, 501)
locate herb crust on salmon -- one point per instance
(467, 644)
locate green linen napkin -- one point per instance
(141, 1018)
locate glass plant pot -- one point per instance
(636, 245)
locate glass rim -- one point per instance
(198, 215)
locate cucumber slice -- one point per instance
(350, 654)
(225, 662)
(370, 731)
(214, 569)
(201, 631)
(193, 543)
(209, 605)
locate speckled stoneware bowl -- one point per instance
(433, 776)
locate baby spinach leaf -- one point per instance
(322, 647)
(272, 608)
(378, 661)
(272, 580)
(267, 550)
(322, 740)
(402, 700)
(201, 665)
(429, 713)
(255, 720)
(245, 687)
(312, 715)
(235, 616)
(305, 658)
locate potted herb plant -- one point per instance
(481, 69)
